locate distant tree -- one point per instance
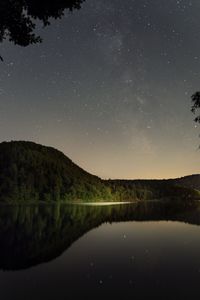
(196, 105)
(18, 18)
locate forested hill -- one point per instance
(192, 181)
(30, 172)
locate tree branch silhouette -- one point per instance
(196, 105)
(18, 18)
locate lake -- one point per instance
(140, 250)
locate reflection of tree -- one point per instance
(30, 235)
(18, 18)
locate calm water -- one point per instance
(74, 252)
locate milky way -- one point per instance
(110, 86)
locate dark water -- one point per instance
(138, 251)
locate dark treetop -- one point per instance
(18, 18)
(196, 105)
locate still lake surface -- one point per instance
(145, 250)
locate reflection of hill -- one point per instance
(34, 234)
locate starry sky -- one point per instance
(110, 86)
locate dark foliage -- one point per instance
(192, 181)
(31, 172)
(34, 234)
(196, 105)
(18, 18)
(154, 189)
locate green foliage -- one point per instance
(34, 234)
(154, 189)
(31, 172)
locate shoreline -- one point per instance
(102, 203)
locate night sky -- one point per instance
(110, 86)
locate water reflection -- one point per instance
(31, 235)
(143, 250)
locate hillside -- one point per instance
(155, 189)
(30, 172)
(192, 181)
